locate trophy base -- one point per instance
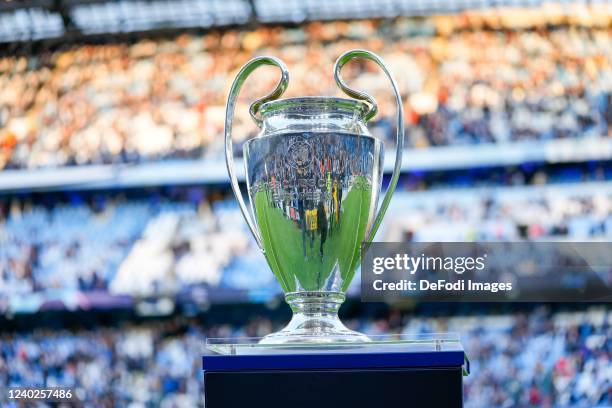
(335, 387)
(315, 320)
(426, 369)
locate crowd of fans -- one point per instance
(160, 244)
(522, 359)
(501, 215)
(196, 245)
(159, 99)
(165, 98)
(133, 246)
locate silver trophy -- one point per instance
(313, 175)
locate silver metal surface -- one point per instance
(314, 196)
(313, 176)
(340, 62)
(243, 74)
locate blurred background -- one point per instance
(122, 248)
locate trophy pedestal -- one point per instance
(417, 372)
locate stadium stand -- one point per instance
(160, 245)
(110, 102)
(162, 99)
(540, 358)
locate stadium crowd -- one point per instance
(539, 358)
(465, 80)
(164, 98)
(141, 247)
(506, 215)
(162, 243)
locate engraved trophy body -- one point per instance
(313, 175)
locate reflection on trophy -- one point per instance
(313, 176)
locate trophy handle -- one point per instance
(244, 72)
(369, 100)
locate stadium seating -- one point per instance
(536, 359)
(504, 79)
(162, 99)
(144, 248)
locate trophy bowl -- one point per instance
(313, 175)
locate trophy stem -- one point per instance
(315, 320)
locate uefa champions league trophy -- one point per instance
(313, 175)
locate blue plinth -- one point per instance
(325, 361)
(379, 374)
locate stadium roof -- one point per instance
(26, 20)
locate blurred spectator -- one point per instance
(535, 359)
(511, 214)
(156, 99)
(163, 243)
